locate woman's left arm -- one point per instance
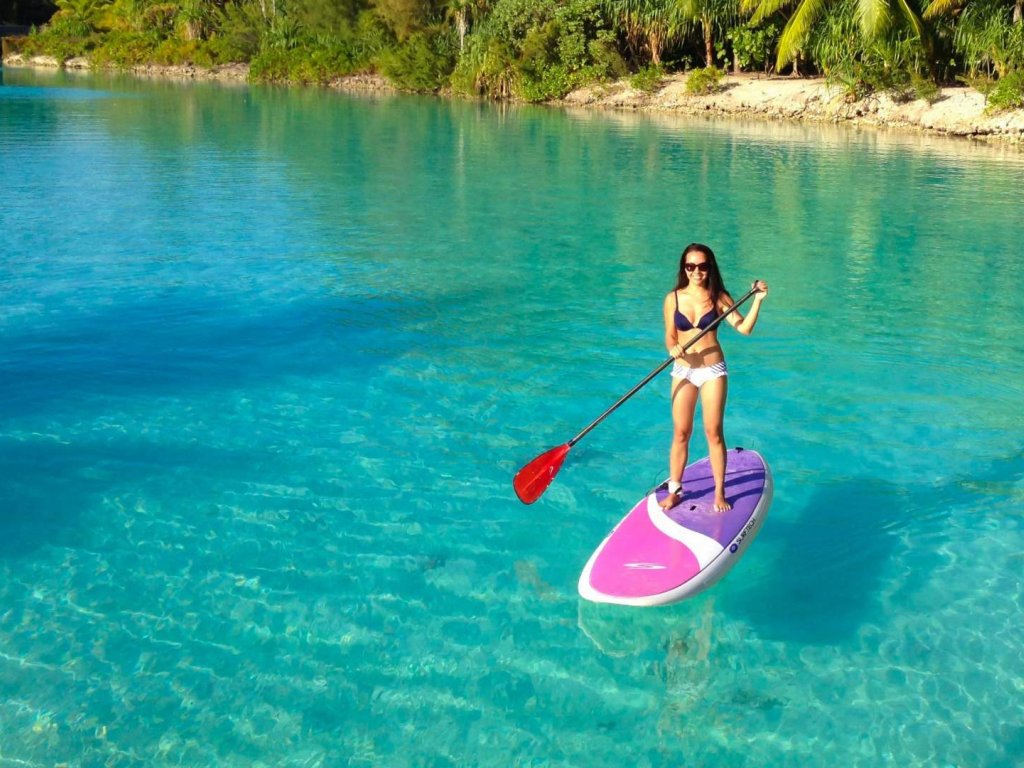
(745, 324)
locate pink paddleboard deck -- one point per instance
(656, 556)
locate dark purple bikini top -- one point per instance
(683, 322)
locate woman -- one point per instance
(700, 297)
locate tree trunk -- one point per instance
(462, 23)
(1018, 12)
(655, 41)
(709, 48)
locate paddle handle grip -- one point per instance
(646, 379)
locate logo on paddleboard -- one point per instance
(647, 566)
(743, 534)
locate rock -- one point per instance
(957, 111)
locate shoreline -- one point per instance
(957, 112)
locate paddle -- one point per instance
(532, 480)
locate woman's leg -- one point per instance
(712, 402)
(684, 403)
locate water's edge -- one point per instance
(957, 112)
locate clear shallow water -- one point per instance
(270, 359)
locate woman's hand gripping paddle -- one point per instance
(532, 480)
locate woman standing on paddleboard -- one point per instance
(700, 297)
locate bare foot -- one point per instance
(721, 505)
(671, 500)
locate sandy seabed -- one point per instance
(958, 111)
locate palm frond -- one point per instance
(874, 16)
(688, 9)
(914, 19)
(941, 7)
(762, 9)
(797, 30)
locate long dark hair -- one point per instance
(715, 284)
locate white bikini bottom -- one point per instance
(698, 376)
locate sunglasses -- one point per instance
(703, 267)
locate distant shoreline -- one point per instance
(959, 111)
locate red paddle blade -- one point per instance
(532, 480)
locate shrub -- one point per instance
(369, 39)
(554, 82)
(183, 52)
(124, 49)
(67, 24)
(538, 50)
(241, 29)
(423, 62)
(987, 37)
(225, 49)
(1008, 93)
(925, 88)
(753, 46)
(159, 19)
(545, 83)
(61, 46)
(648, 79)
(871, 74)
(606, 57)
(13, 44)
(703, 81)
(983, 84)
(276, 65)
(486, 68)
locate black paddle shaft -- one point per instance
(660, 368)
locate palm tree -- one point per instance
(875, 17)
(948, 7)
(464, 12)
(459, 11)
(647, 24)
(711, 15)
(195, 18)
(988, 33)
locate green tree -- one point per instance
(712, 16)
(537, 49)
(989, 34)
(648, 25)
(939, 8)
(404, 17)
(465, 13)
(875, 18)
(458, 11)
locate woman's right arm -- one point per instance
(672, 345)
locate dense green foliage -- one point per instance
(753, 46)
(540, 49)
(1008, 93)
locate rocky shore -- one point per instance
(956, 111)
(225, 73)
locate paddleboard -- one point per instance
(656, 556)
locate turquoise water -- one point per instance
(270, 358)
